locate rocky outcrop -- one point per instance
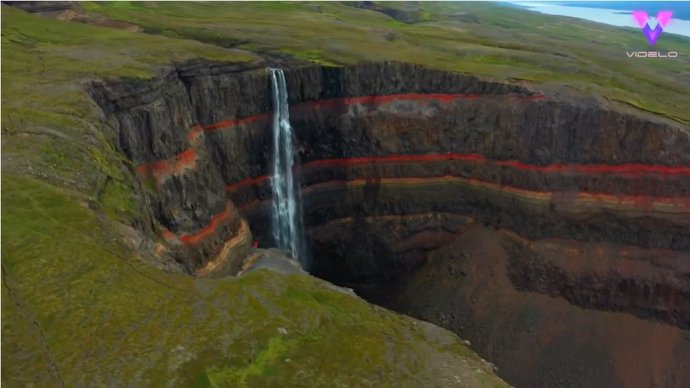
(155, 124)
(43, 7)
(649, 283)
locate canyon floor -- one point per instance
(571, 345)
(114, 124)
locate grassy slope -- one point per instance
(506, 43)
(104, 316)
(81, 308)
(49, 125)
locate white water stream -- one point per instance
(286, 214)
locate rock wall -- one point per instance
(398, 161)
(391, 139)
(200, 126)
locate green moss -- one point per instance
(119, 201)
(48, 119)
(21, 336)
(314, 56)
(426, 16)
(263, 365)
(104, 314)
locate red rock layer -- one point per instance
(163, 168)
(186, 160)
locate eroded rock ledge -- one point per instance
(383, 142)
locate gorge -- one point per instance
(493, 209)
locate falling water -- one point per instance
(286, 215)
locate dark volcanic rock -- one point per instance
(398, 161)
(42, 6)
(153, 122)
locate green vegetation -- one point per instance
(81, 306)
(51, 126)
(478, 38)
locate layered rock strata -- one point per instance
(397, 161)
(395, 139)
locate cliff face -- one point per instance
(397, 161)
(392, 139)
(200, 127)
(156, 125)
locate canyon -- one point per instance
(548, 227)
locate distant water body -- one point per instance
(621, 16)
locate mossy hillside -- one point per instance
(86, 307)
(25, 356)
(479, 38)
(51, 128)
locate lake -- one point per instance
(621, 16)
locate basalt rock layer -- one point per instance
(397, 161)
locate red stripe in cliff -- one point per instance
(632, 170)
(163, 168)
(640, 202)
(373, 100)
(235, 122)
(167, 234)
(195, 238)
(195, 133)
(246, 182)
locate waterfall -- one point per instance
(286, 214)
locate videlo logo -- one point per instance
(652, 34)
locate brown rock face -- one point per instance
(503, 212)
(541, 341)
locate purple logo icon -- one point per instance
(642, 19)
